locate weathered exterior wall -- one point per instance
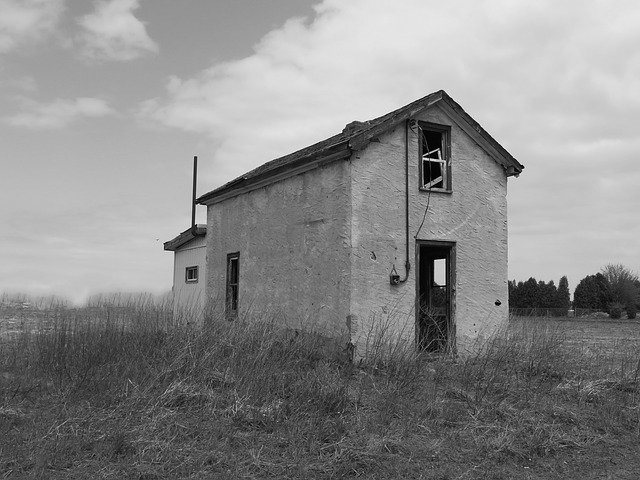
(189, 298)
(474, 216)
(293, 239)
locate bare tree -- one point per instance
(623, 284)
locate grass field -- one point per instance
(129, 397)
(597, 336)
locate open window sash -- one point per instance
(430, 160)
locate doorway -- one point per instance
(435, 287)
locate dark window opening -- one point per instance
(233, 279)
(434, 157)
(191, 275)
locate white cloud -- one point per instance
(23, 21)
(59, 113)
(501, 60)
(112, 32)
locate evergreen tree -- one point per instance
(511, 284)
(529, 293)
(592, 292)
(563, 297)
(548, 295)
(539, 296)
(516, 299)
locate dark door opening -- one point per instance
(435, 329)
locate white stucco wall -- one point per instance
(474, 216)
(293, 239)
(189, 298)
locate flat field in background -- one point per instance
(596, 335)
(121, 393)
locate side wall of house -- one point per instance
(293, 241)
(189, 298)
(474, 216)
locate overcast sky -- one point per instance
(103, 105)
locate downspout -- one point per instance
(394, 278)
(194, 231)
(407, 263)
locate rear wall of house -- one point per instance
(293, 241)
(474, 216)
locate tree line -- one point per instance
(540, 296)
(614, 290)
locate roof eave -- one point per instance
(478, 133)
(183, 238)
(243, 184)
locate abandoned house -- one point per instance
(398, 221)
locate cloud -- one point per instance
(59, 113)
(112, 32)
(524, 74)
(25, 83)
(560, 91)
(23, 21)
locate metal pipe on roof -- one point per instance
(194, 230)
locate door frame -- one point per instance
(451, 282)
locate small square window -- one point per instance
(435, 167)
(191, 275)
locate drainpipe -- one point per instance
(407, 263)
(193, 199)
(394, 278)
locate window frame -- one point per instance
(186, 274)
(445, 151)
(232, 286)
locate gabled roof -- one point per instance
(356, 136)
(185, 237)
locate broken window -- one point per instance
(191, 275)
(233, 279)
(434, 157)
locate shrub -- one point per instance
(615, 310)
(631, 311)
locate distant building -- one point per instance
(189, 272)
(398, 221)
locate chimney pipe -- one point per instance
(193, 197)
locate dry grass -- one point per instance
(128, 394)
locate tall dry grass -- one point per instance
(124, 388)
